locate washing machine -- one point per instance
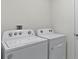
(23, 44)
(56, 43)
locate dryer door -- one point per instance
(58, 51)
(38, 51)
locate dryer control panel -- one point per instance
(45, 31)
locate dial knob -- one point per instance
(10, 34)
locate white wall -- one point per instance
(29, 13)
(63, 22)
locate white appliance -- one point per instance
(23, 44)
(56, 43)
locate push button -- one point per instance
(50, 30)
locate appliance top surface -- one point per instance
(52, 35)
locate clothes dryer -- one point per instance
(56, 43)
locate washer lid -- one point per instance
(51, 36)
(14, 43)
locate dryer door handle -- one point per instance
(57, 46)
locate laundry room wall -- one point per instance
(29, 13)
(63, 22)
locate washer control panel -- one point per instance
(14, 34)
